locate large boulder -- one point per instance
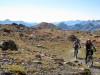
(6, 30)
(8, 44)
(72, 37)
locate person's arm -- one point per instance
(93, 47)
(73, 44)
(79, 44)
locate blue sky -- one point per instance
(49, 10)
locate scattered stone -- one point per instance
(59, 60)
(6, 72)
(40, 46)
(37, 62)
(38, 56)
(71, 64)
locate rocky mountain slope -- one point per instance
(45, 25)
(45, 50)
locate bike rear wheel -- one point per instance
(90, 61)
(75, 53)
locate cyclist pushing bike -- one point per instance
(89, 50)
(76, 46)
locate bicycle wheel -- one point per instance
(90, 61)
(75, 53)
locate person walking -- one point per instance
(76, 46)
(89, 49)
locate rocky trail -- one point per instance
(53, 65)
(94, 69)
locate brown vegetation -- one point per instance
(39, 47)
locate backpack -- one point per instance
(76, 44)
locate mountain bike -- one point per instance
(90, 59)
(75, 52)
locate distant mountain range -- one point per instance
(7, 21)
(66, 25)
(70, 22)
(81, 25)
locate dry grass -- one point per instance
(60, 47)
(15, 68)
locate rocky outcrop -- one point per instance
(8, 44)
(72, 37)
(5, 30)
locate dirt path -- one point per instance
(95, 69)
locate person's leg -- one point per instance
(92, 60)
(86, 57)
(76, 51)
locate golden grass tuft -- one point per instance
(15, 68)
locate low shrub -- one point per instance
(16, 69)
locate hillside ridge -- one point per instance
(46, 50)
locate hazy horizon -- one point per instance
(49, 10)
(46, 21)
